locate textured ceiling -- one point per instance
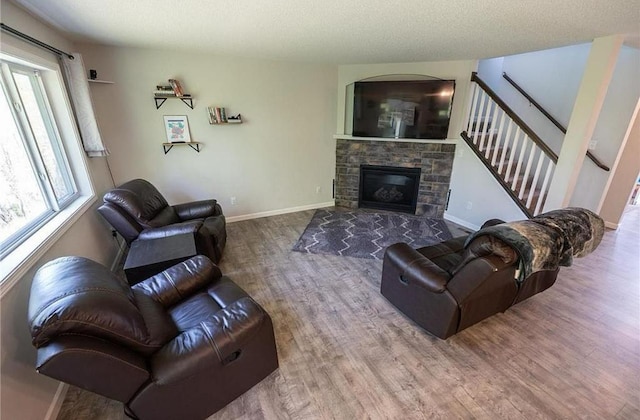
(343, 31)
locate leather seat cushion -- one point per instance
(201, 306)
(447, 255)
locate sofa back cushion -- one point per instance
(483, 246)
(142, 201)
(77, 296)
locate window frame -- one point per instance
(11, 91)
(18, 263)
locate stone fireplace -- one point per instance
(435, 161)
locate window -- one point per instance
(36, 181)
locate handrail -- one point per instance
(498, 178)
(555, 122)
(597, 162)
(523, 126)
(534, 103)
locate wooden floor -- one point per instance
(572, 351)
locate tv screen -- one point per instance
(411, 109)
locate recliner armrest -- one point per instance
(416, 269)
(191, 226)
(180, 281)
(196, 209)
(212, 344)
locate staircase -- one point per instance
(519, 160)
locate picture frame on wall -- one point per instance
(177, 129)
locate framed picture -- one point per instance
(177, 129)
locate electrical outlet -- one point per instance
(593, 144)
(233, 201)
(318, 190)
(469, 205)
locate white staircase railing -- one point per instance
(515, 155)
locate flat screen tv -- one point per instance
(411, 109)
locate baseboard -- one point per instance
(56, 404)
(461, 222)
(611, 225)
(278, 212)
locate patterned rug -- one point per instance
(366, 234)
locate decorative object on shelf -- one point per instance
(93, 78)
(195, 145)
(172, 90)
(218, 115)
(177, 128)
(237, 119)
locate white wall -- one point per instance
(472, 184)
(617, 109)
(625, 173)
(273, 161)
(552, 77)
(24, 394)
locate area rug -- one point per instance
(366, 234)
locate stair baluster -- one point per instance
(504, 147)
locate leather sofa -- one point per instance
(450, 286)
(137, 210)
(179, 345)
(447, 287)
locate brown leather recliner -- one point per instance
(137, 210)
(445, 288)
(179, 345)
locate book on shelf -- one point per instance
(218, 113)
(223, 115)
(177, 87)
(164, 93)
(212, 115)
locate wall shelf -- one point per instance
(195, 145)
(108, 82)
(227, 122)
(160, 100)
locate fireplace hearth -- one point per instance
(389, 188)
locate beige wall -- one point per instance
(625, 174)
(275, 160)
(24, 394)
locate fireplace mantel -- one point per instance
(429, 141)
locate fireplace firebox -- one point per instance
(389, 188)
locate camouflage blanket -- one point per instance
(549, 240)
